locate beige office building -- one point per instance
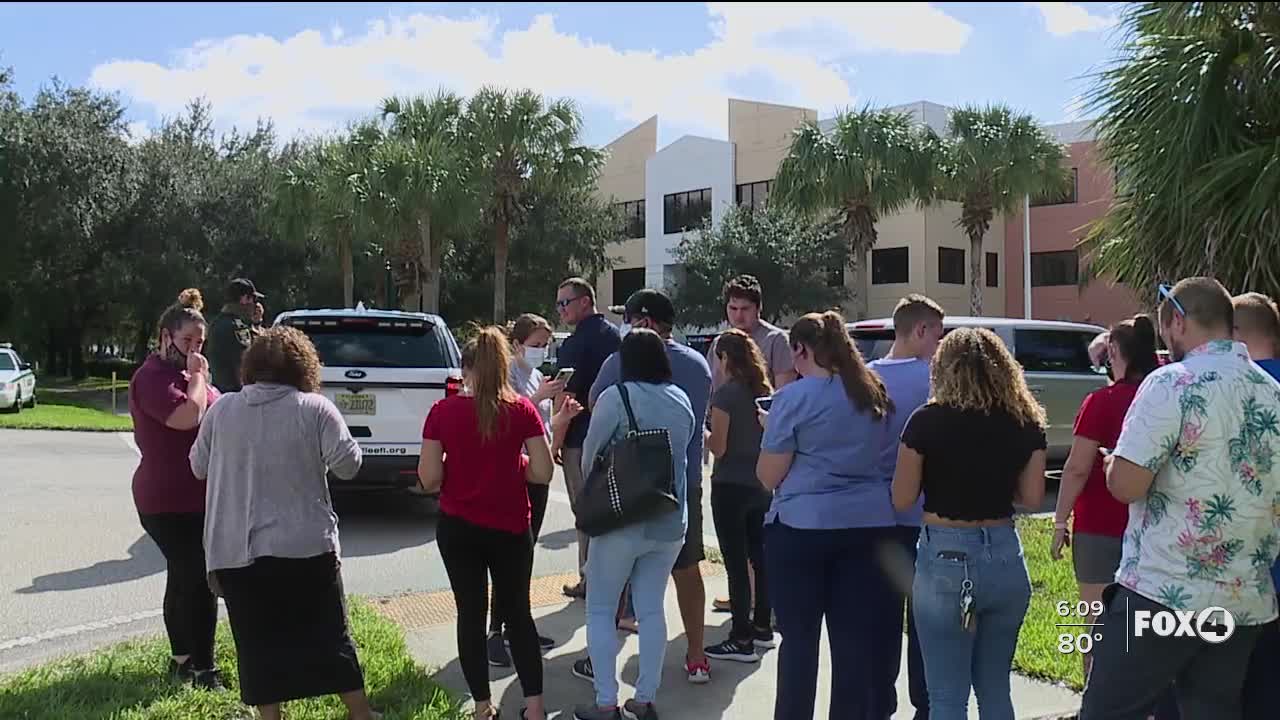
(664, 191)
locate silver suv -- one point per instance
(1054, 357)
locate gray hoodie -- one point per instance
(266, 451)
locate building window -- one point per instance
(685, 210)
(633, 213)
(1069, 197)
(754, 195)
(1055, 268)
(625, 282)
(889, 266)
(951, 266)
(992, 271)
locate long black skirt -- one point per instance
(289, 620)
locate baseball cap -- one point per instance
(241, 287)
(653, 304)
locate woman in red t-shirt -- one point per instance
(472, 447)
(1100, 519)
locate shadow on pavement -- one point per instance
(563, 691)
(380, 524)
(144, 560)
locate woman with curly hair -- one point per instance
(271, 536)
(976, 449)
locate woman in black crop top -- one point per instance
(975, 450)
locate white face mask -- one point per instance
(535, 356)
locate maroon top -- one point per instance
(163, 482)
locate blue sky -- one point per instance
(314, 67)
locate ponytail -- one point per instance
(1135, 339)
(185, 310)
(825, 335)
(488, 356)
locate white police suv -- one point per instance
(383, 370)
(17, 381)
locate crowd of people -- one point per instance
(845, 493)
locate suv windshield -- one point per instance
(361, 342)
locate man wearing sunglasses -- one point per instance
(1198, 463)
(593, 340)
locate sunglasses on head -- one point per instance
(1166, 293)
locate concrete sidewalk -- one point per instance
(736, 690)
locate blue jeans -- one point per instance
(831, 575)
(955, 659)
(616, 558)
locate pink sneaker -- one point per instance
(699, 674)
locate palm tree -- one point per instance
(868, 167)
(1190, 120)
(991, 158)
(421, 179)
(324, 196)
(520, 145)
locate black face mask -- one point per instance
(174, 356)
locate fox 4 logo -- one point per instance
(1212, 625)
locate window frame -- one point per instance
(963, 255)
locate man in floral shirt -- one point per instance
(1198, 461)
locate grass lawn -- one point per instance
(1037, 654)
(89, 383)
(48, 416)
(126, 682)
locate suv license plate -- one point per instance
(357, 404)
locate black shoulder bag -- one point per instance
(630, 481)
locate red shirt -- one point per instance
(1100, 419)
(484, 480)
(163, 482)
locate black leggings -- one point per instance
(538, 495)
(471, 554)
(190, 609)
(738, 511)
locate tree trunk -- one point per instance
(348, 271)
(432, 254)
(975, 218)
(500, 240)
(975, 275)
(860, 233)
(75, 350)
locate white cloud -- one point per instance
(138, 131)
(317, 79)
(1064, 18)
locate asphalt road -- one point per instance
(78, 571)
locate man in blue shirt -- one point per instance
(689, 371)
(1257, 325)
(594, 338)
(917, 328)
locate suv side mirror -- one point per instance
(24, 366)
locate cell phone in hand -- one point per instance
(564, 374)
(764, 403)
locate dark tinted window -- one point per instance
(686, 210)
(360, 342)
(951, 266)
(1065, 351)
(754, 195)
(6, 362)
(1061, 267)
(633, 212)
(625, 282)
(993, 270)
(889, 265)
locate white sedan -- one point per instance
(17, 381)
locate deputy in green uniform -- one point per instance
(231, 333)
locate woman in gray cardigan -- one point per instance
(271, 536)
